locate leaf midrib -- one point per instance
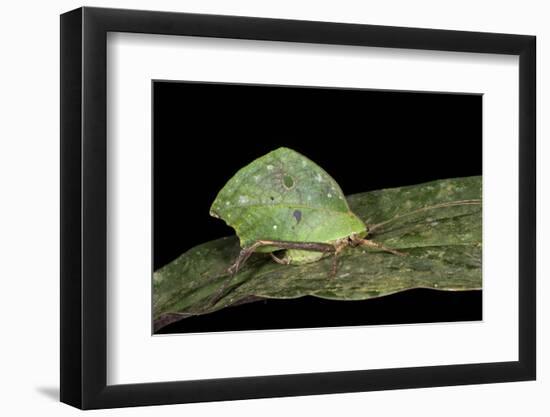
(302, 206)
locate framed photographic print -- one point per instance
(258, 207)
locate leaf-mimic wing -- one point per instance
(285, 196)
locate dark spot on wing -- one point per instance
(288, 182)
(297, 215)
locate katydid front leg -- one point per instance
(283, 261)
(356, 241)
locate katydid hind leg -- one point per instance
(248, 251)
(244, 254)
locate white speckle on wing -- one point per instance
(319, 177)
(329, 195)
(227, 203)
(274, 227)
(347, 274)
(308, 198)
(269, 167)
(256, 178)
(243, 199)
(304, 163)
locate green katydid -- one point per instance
(285, 201)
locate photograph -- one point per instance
(291, 207)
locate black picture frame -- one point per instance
(84, 209)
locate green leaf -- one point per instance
(438, 224)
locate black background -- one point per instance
(365, 139)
